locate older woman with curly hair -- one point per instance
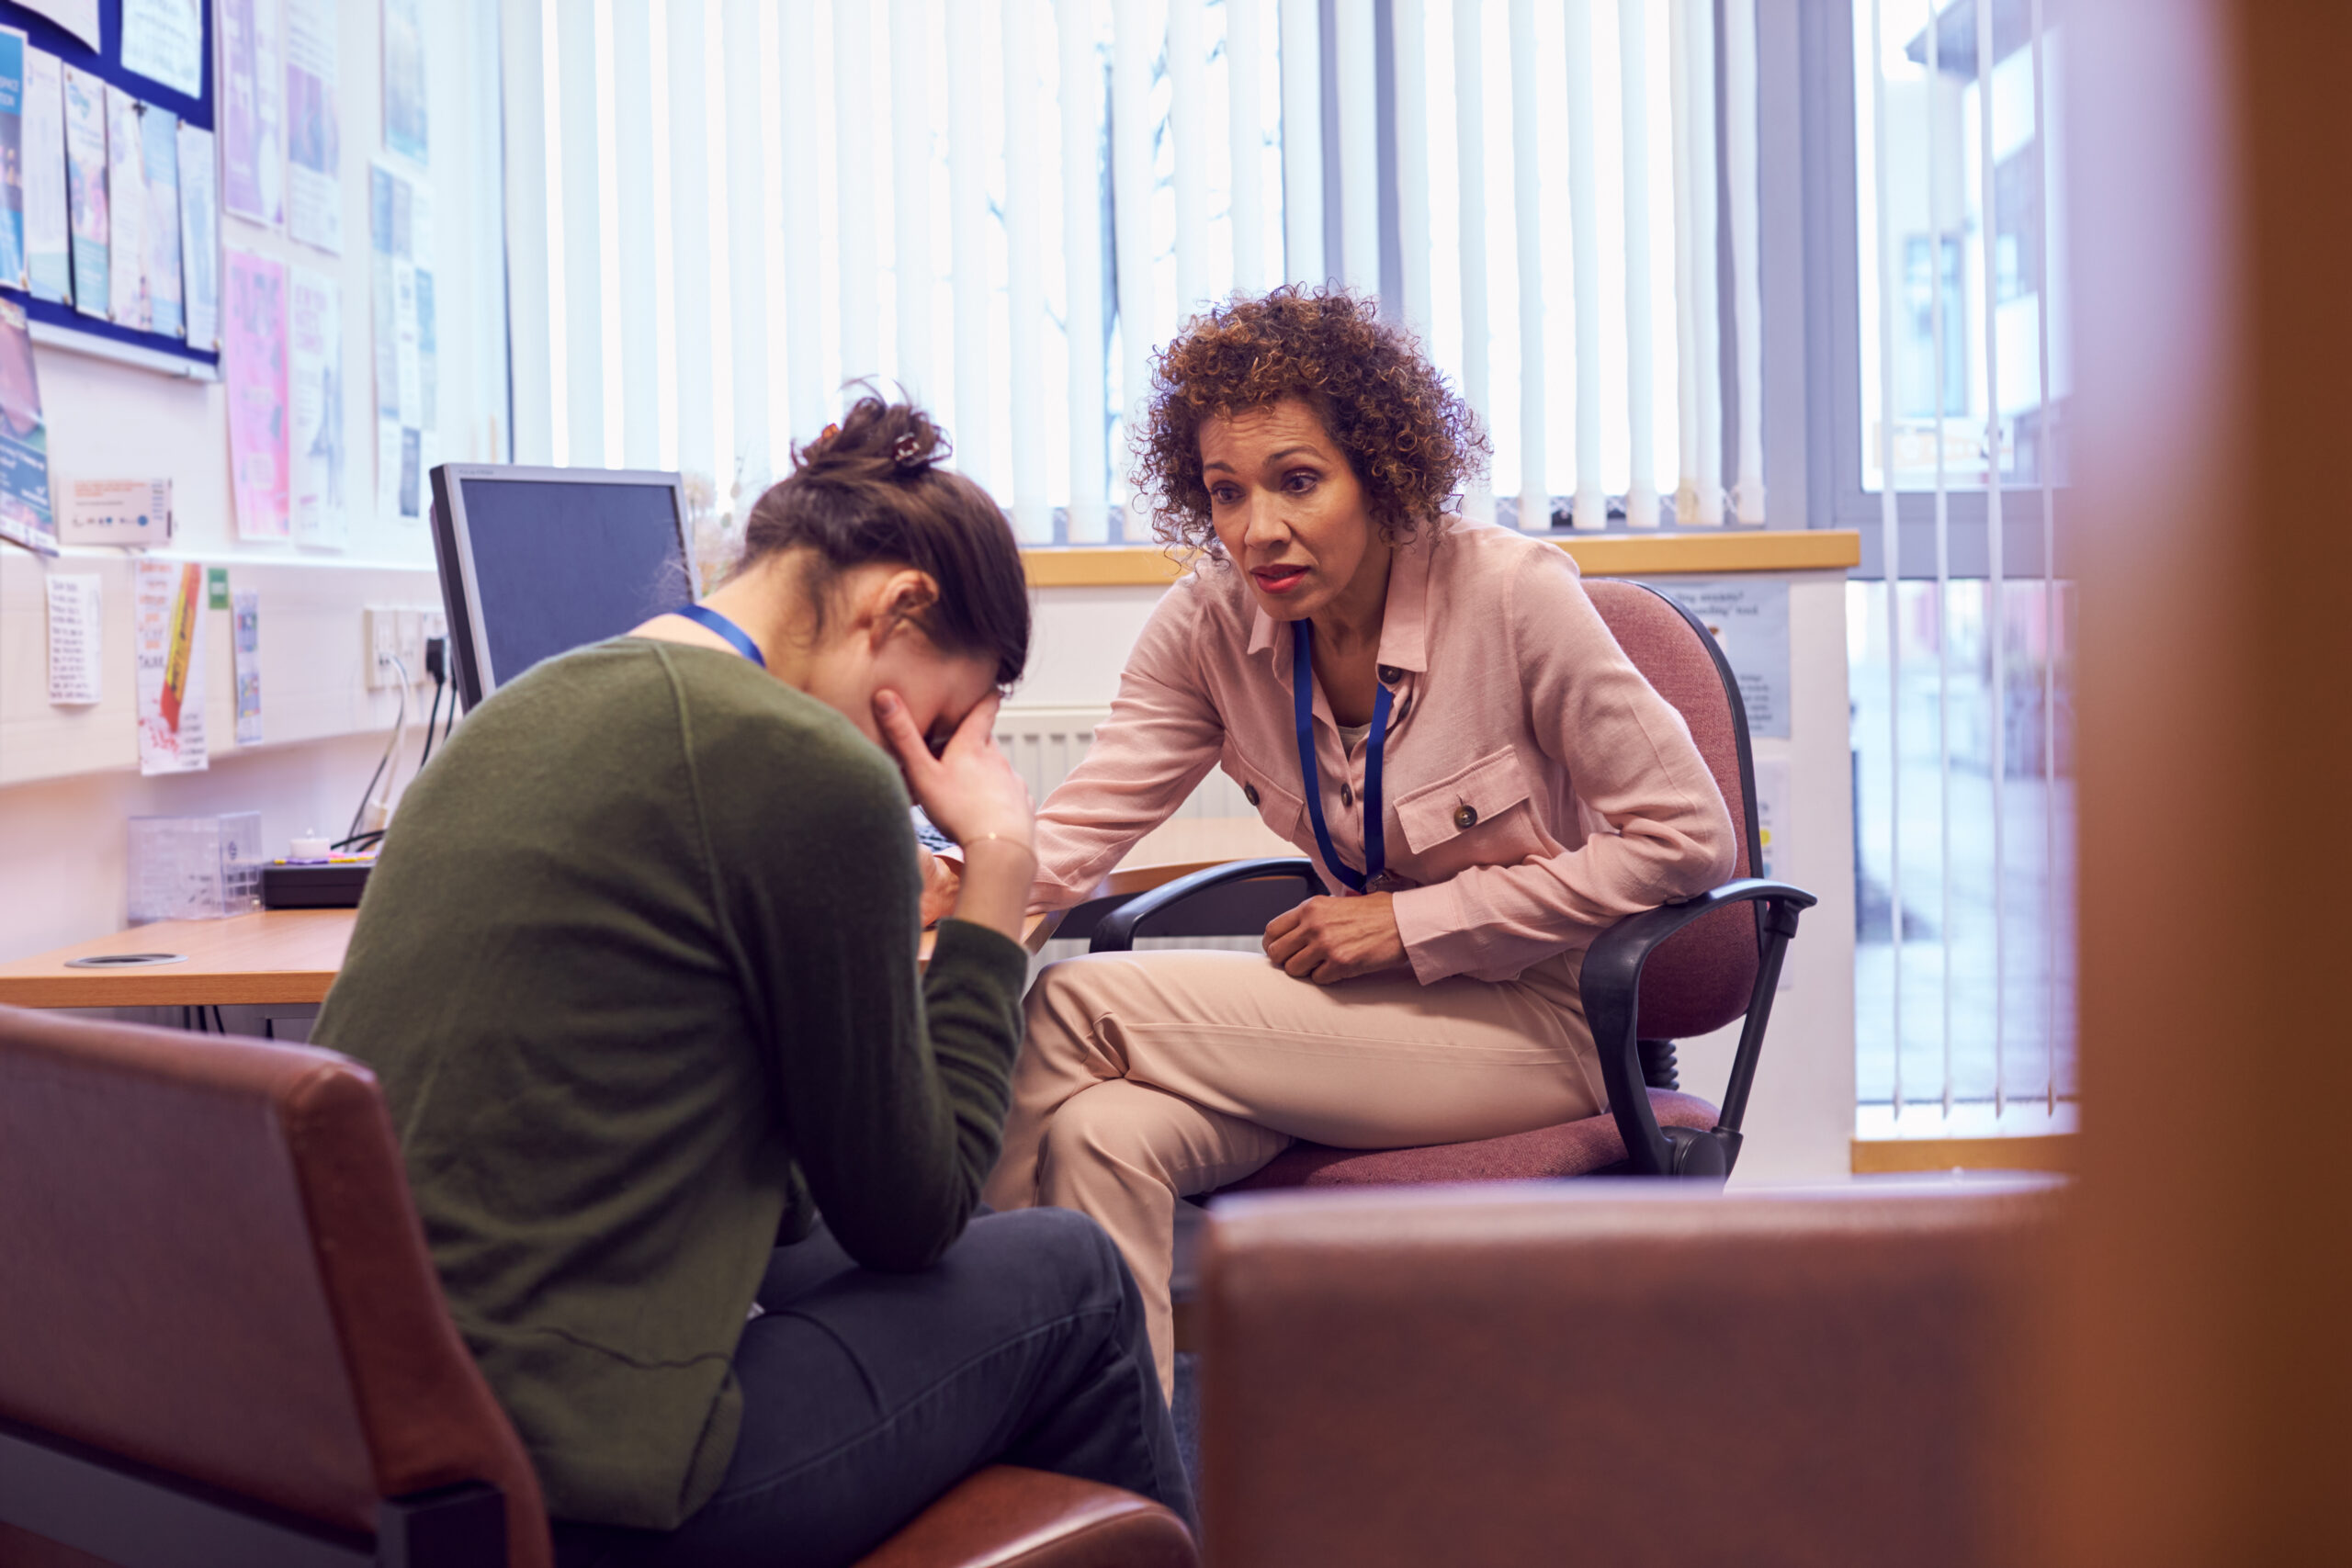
(1432, 709)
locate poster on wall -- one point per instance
(252, 114)
(164, 41)
(1773, 814)
(1748, 618)
(79, 17)
(27, 516)
(12, 158)
(315, 323)
(159, 131)
(254, 368)
(127, 210)
(200, 239)
(85, 184)
(76, 674)
(314, 125)
(404, 128)
(167, 643)
(245, 621)
(49, 256)
(407, 364)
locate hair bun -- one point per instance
(873, 439)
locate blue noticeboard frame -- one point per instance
(107, 63)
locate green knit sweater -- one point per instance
(637, 971)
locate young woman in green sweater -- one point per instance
(638, 971)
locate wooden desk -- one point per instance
(291, 956)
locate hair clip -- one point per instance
(911, 453)
(827, 434)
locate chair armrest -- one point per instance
(1117, 930)
(1612, 987)
(1008, 1517)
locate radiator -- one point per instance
(1046, 743)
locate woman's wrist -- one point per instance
(994, 890)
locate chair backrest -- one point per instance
(212, 1268)
(1702, 976)
(1624, 1372)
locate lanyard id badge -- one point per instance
(1375, 844)
(739, 639)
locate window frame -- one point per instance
(1834, 402)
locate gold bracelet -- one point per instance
(1002, 839)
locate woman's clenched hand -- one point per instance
(942, 880)
(1329, 940)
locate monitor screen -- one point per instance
(554, 560)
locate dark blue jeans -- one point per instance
(866, 1395)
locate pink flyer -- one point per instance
(255, 361)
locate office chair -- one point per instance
(1653, 979)
(224, 1341)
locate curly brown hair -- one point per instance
(1412, 441)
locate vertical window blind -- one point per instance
(721, 211)
(1961, 684)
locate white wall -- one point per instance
(67, 777)
(64, 842)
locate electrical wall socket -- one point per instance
(393, 635)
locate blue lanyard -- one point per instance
(726, 628)
(1375, 836)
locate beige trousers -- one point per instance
(1147, 1076)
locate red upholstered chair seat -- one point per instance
(1573, 1148)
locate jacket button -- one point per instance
(1390, 674)
(1466, 816)
(1249, 792)
(1347, 796)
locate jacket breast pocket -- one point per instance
(1476, 816)
(1279, 807)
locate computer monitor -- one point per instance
(538, 561)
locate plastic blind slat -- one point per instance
(1890, 541)
(1302, 77)
(1534, 496)
(628, 229)
(967, 210)
(1247, 140)
(1995, 590)
(747, 56)
(1591, 506)
(1081, 112)
(523, 83)
(1641, 397)
(1742, 197)
(912, 267)
(1024, 220)
(581, 177)
(795, 228)
(1408, 25)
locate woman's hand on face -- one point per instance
(1329, 940)
(969, 790)
(941, 881)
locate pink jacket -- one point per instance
(1586, 799)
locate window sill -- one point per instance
(2027, 1136)
(1696, 553)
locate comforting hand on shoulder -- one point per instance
(1328, 940)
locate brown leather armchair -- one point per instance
(221, 1339)
(1621, 1372)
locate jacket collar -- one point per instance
(1404, 621)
